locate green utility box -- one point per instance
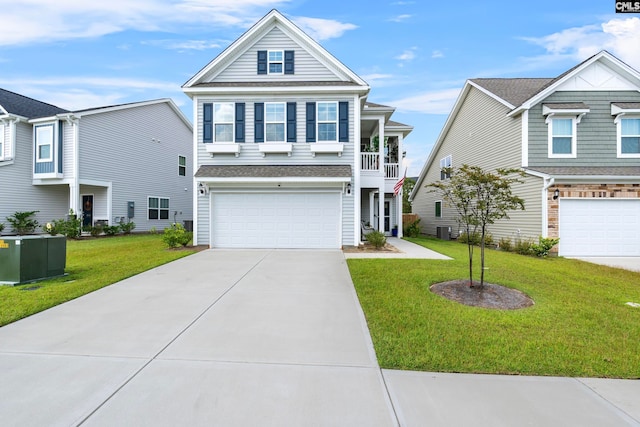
(26, 259)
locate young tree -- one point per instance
(407, 187)
(480, 198)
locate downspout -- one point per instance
(356, 193)
(548, 182)
(74, 186)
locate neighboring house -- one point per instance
(577, 137)
(130, 162)
(287, 150)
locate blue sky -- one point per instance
(416, 55)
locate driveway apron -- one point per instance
(237, 337)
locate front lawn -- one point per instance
(579, 325)
(91, 264)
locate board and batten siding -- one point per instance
(306, 67)
(481, 135)
(596, 134)
(136, 150)
(301, 154)
(17, 192)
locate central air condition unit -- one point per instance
(443, 233)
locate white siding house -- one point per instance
(281, 130)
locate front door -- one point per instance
(387, 216)
(87, 210)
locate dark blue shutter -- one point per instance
(258, 116)
(311, 122)
(289, 56)
(291, 122)
(343, 122)
(240, 122)
(262, 62)
(207, 123)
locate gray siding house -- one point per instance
(122, 163)
(286, 146)
(577, 138)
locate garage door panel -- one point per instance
(599, 227)
(276, 220)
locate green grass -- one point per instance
(579, 325)
(91, 264)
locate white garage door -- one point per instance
(599, 227)
(276, 220)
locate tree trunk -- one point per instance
(482, 257)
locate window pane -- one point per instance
(327, 132)
(224, 133)
(274, 112)
(275, 56)
(562, 145)
(153, 202)
(44, 152)
(562, 127)
(438, 209)
(630, 127)
(630, 145)
(164, 203)
(275, 132)
(182, 160)
(164, 214)
(327, 111)
(153, 214)
(275, 68)
(223, 113)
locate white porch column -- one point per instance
(371, 208)
(381, 209)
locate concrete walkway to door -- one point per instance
(229, 338)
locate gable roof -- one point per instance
(251, 36)
(520, 94)
(23, 106)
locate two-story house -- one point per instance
(577, 138)
(288, 152)
(130, 162)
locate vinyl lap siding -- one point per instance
(481, 135)
(245, 67)
(137, 149)
(596, 133)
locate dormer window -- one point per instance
(275, 62)
(563, 119)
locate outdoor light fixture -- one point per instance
(556, 194)
(349, 188)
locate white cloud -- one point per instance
(322, 29)
(438, 102)
(182, 45)
(400, 18)
(407, 55)
(376, 77)
(71, 19)
(621, 37)
(437, 54)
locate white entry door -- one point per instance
(276, 220)
(599, 227)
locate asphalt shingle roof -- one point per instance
(274, 171)
(24, 106)
(589, 171)
(515, 91)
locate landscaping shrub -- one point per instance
(377, 239)
(127, 227)
(523, 246)
(474, 238)
(543, 246)
(96, 230)
(111, 230)
(70, 227)
(176, 235)
(412, 229)
(505, 244)
(22, 223)
(1, 226)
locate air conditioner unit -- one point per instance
(443, 233)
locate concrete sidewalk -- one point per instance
(262, 337)
(406, 248)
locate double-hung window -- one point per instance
(44, 142)
(438, 209)
(223, 120)
(562, 137)
(445, 168)
(158, 208)
(275, 122)
(276, 61)
(629, 137)
(182, 166)
(327, 121)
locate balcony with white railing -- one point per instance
(370, 162)
(373, 170)
(391, 170)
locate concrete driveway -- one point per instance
(626, 263)
(229, 338)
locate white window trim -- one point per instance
(283, 122)
(158, 208)
(181, 166)
(2, 141)
(38, 144)
(269, 62)
(318, 122)
(574, 131)
(434, 209)
(232, 122)
(443, 164)
(618, 122)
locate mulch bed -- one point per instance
(488, 296)
(368, 247)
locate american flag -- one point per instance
(398, 186)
